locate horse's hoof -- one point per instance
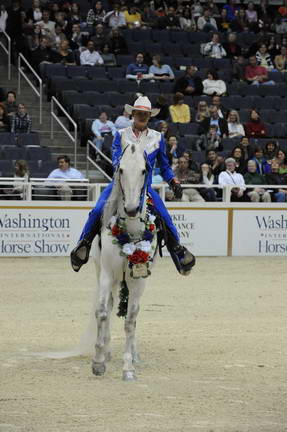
(129, 376)
(98, 369)
(136, 358)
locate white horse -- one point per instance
(126, 208)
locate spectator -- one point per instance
(173, 150)
(231, 177)
(102, 127)
(202, 111)
(123, 121)
(212, 85)
(281, 60)
(238, 155)
(246, 147)
(18, 190)
(91, 57)
(162, 72)
(263, 58)
(216, 101)
(233, 50)
(96, 15)
(4, 119)
(115, 18)
(210, 141)
(10, 103)
(189, 84)
(117, 42)
(214, 11)
(274, 178)
(270, 151)
(223, 22)
(3, 18)
(99, 36)
(77, 38)
(192, 164)
(170, 21)
(215, 162)
(240, 23)
(107, 56)
(232, 9)
(164, 128)
(58, 37)
(42, 55)
(252, 177)
(262, 166)
(63, 55)
(133, 17)
(187, 22)
(196, 9)
(238, 68)
(207, 177)
(179, 111)
(138, 70)
(47, 26)
(149, 17)
(14, 25)
(186, 176)
(255, 128)
(255, 74)
(65, 172)
(235, 128)
(251, 16)
(206, 22)
(162, 104)
(73, 16)
(21, 122)
(280, 157)
(214, 118)
(214, 49)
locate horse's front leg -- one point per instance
(103, 312)
(135, 292)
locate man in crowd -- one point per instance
(190, 84)
(231, 177)
(65, 172)
(255, 74)
(47, 26)
(206, 22)
(91, 57)
(214, 48)
(138, 70)
(214, 119)
(216, 101)
(185, 175)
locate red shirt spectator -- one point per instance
(255, 128)
(254, 72)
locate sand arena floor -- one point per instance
(213, 349)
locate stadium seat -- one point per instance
(38, 153)
(198, 37)
(12, 153)
(198, 156)
(6, 168)
(125, 60)
(7, 138)
(32, 138)
(76, 71)
(124, 86)
(116, 73)
(81, 112)
(70, 97)
(141, 35)
(179, 37)
(160, 36)
(96, 72)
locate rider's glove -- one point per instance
(176, 188)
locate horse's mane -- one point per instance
(112, 203)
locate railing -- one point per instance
(7, 51)
(91, 145)
(73, 138)
(82, 190)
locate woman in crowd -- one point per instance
(187, 21)
(262, 166)
(216, 163)
(202, 111)
(63, 55)
(275, 178)
(179, 111)
(117, 42)
(123, 121)
(251, 16)
(96, 15)
(35, 12)
(270, 151)
(102, 127)
(4, 119)
(163, 105)
(10, 103)
(281, 60)
(255, 128)
(164, 128)
(73, 16)
(235, 128)
(264, 58)
(21, 122)
(240, 23)
(107, 55)
(222, 21)
(253, 177)
(238, 155)
(173, 150)
(212, 85)
(21, 172)
(133, 17)
(160, 72)
(208, 178)
(33, 39)
(280, 157)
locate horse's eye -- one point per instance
(121, 170)
(143, 172)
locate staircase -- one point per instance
(61, 144)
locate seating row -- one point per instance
(33, 153)
(36, 169)
(9, 139)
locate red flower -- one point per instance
(116, 230)
(152, 227)
(138, 257)
(149, 201)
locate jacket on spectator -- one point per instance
(255, 129)
(232, 50)
(21, 124)
(203, 127)
(214, 87)
(214, 50)
(180, 113)
(183, 82)
(254, 178)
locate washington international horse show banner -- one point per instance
(32, 230)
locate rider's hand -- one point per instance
(176, 188)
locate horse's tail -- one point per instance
(123, 299)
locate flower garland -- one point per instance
(138, 252)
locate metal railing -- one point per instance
(23, 61)
(73, 138)
(91, 145)
(7, 50)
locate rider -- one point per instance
(155, 148)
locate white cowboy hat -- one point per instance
(142, 104)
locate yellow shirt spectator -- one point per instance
(180, 113)
(132, 17)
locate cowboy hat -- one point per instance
(142, 104)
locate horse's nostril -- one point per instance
(131, 213)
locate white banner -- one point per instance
(203, 232)
(259, 233)
(40, 232)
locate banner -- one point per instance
(204, 232)
(40, 232)
(259, 233)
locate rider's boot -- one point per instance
(182, 258)
(80, 254)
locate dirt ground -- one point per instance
(213, 349)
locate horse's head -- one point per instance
(132, 179)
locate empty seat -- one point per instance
(96, 72)
(7, 138)
(124, 86)
(115, 73)
(81, 112)
(198, 156)
(179, 37)
(171, 48)
(32, 138)
(51, 70)
(38, 153)
(6, 168)
(12, 153)
(124, 60)
(160, 35)
(187, 128)
(70, 97)
(141, 35)
(198, 37)
(135, 47)
(279, 130)
(74, 71)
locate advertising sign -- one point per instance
(260, 232)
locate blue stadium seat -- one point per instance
(124, 86)
(179, 37)
(6, 168)
(160, 35)
(38, 153)
(198, 37)
(76, 71)
(96, 72)
(135, 47)
(7, 138)
(12, 153)
(70, 97)
(141, 35)
(32, 138)
(125, 60)
(198, 156)
(81, 112)
(116, 72)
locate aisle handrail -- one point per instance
(93, 162)
(7, 50)
(39, 92)
(54, 116)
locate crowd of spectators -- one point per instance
(62, 33)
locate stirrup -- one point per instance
(183, 259)
(80, 254)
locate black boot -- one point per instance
(182, 258)
(80, 254)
